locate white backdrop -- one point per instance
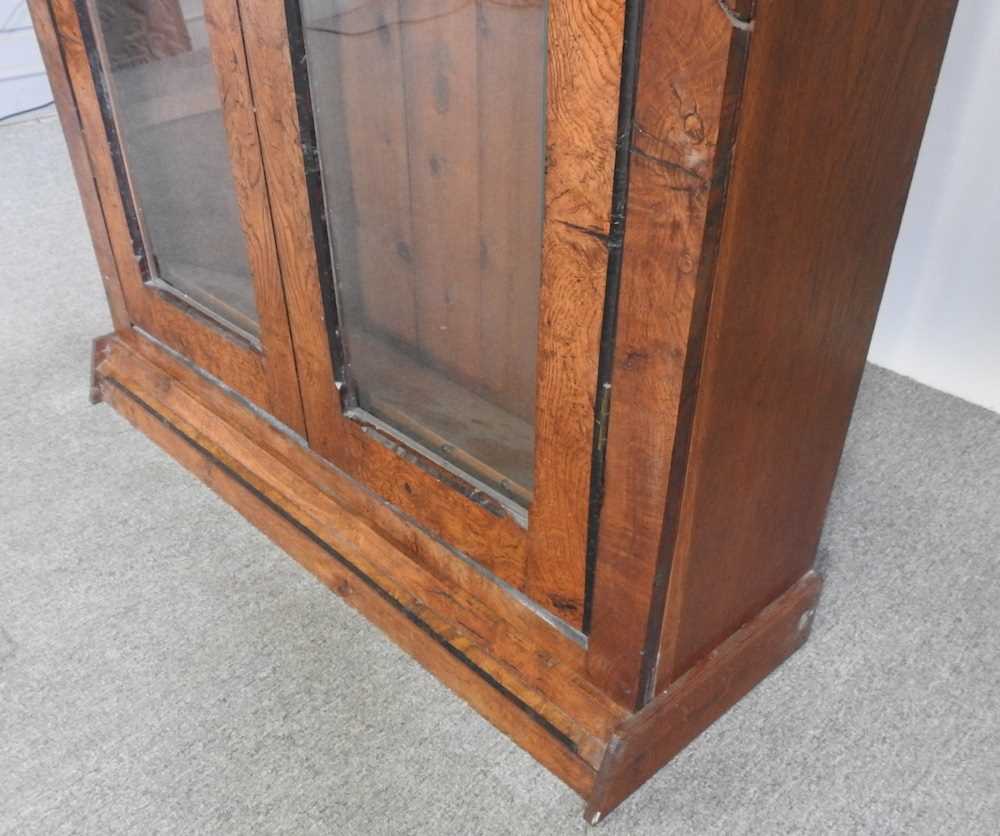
(940, 319)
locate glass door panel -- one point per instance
(167, 112)
(430, 122)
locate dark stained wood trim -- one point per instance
(612, 291)
(69, 118)
(689, 81)
(99, 350)
(819, 184)
(652, 737)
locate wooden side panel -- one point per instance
(837, 94)
(584, 74)
(62, 91)
(681, 140)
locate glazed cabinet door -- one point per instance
(164, 100)
(442, 176)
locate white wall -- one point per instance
(22, 75)
(940, 319)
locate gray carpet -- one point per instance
(165, 669)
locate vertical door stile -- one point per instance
(229, 60)
(266, 40)
(584, 71)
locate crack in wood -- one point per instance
(703, 183)
(603, 237)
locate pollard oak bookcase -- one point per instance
(531, 327)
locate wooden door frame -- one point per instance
(548, 560)
(263, 373)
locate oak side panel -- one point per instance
(584, 73)
(62, 92)
(679, 153)
(837, 94)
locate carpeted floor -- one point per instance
(165, 669)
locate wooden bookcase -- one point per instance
(532, 329)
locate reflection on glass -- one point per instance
(430, 123)
(167, 111)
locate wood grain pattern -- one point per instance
(407, 583)
(430, 125)
(359, 83)
(584, 63)
(584, 72)
(266, 42)
(677, 172)
(69, 119)
(429, 128)
(820, 181)
(222, 19)
(652, 737)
